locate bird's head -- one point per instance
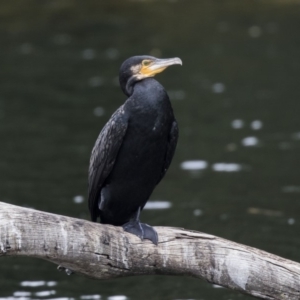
(137, 68)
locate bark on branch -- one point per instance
(104, 251)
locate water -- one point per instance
(236, 170)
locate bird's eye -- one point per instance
(146, 63)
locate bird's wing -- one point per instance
(104, 156)
(173, 137)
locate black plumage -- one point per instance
(134, 149)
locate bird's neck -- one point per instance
(148, 84)
(148, 96)
(149, 88)
(129, 87)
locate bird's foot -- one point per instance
(143, 231)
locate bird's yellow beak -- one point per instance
(152, 67)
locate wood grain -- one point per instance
(103, 251)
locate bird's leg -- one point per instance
(134, 225)
(143, 231)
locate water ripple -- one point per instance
(227, 167)
(218, 88)
(256, 124)
(33, 283)
(90, 297)
(45, 293)
(194, 165)
(158, 205)
(117, 297)
(250, 141)
(78, 199)
(21, 294)
(237, 124)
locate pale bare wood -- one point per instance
(104, 251)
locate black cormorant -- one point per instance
(134, 149)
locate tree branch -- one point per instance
(104, 251)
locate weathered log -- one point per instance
(104, 251)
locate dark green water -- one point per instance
(58, 65)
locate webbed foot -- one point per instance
(143, 231)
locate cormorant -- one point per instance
(134, 148)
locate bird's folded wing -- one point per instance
(104, 155)
(172, 142)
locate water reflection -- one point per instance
(38, 283)
(226, 167)
(291, 221)
(45, 293)
(218, 88)
(27, 296)
(117, 297)
(194, 165)
(158, 205)
(78, 199)
(21, 294)
(198, 212)
(60, 298)
(256, 125)
(237, 124)
(250, 141)
(33, 284)
(90, 297)
(216, 286)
